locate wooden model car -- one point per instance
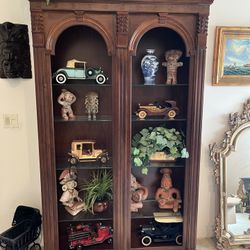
(164, 108)
(84, 151)
(81, 235)
(78, 70)
(161, 232)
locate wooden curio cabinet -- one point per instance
(114, 35)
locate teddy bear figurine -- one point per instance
(139, 193)
(167, 196)
(66, 99)
(172, 64)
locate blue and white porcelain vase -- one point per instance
(149, 66)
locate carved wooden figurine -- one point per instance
(172, 64)
(14, 51)
(66, 99)
(167, 196)
(139, 193)
(91, 104)
(70, 199)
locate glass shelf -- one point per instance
(84, 118)
(62, 163)
(64, 216)
(80, 83)
(149, 207)
(157, 119)
(141, 85)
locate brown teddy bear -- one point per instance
(172, 64)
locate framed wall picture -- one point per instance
(232, 56)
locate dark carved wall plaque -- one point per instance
(14, 51)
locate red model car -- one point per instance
(81, 235)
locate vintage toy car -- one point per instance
(81, 235)
(161, 232)
(84, 151)
(163, 108)
(78, 70)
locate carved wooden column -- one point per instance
(46, 141)
(197, 62)
(122, 81)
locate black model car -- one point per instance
(161, 232)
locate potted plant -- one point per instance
(149, 141)
(98, 191)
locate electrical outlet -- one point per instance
(10, 121)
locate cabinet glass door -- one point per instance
(83, 128)
(159, 121)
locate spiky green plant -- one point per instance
(98, 188)
(151, 140)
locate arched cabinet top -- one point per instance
(169, 24)
(60, 27)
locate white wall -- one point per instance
(218, 103)
(19, 163)
(19, 159)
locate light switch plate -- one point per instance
(10, 121)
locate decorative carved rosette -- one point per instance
(37, 28)
(79, 15)
(202, 24)
(162, 19)
(122, 23)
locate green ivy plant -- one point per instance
(151, 140)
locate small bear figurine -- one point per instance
(139, 193)
(66, 98)
(172, 64)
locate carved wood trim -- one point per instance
(37, 21)
(202, 26)
(154, 23)
(79, 15)
(122, 25)
(56, 30)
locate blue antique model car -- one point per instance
(161, 232)
(78, 70)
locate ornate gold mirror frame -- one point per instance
(238, 122)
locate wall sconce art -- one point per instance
(14, 51)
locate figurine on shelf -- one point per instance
(91, 104)
(66, 99)
(70, 199)
(167, 196)
(139, 193)
(172, 64)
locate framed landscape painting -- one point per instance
(232, 56)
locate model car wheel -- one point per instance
(171, 114)
(73, 161)
(100, 79)
(103, 159)
(61, 78)
(178, 240)
(146, 241)
(79, 247)
(109, 241)
(142, 114)
(35, 247)
(90, 72)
